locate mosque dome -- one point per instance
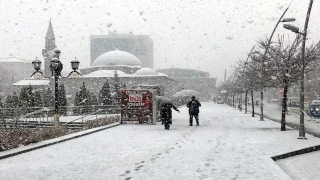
(146, 72)
(117, 58)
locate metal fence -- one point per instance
(14, 118)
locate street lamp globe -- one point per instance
(75, 64)
(293, 28)
(36, 64)
(288, 19)
(54, 62)
(57, 53)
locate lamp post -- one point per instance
(56, 67)
(304, 34)
(281, 19)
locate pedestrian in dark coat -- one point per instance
(166, 111)
(193, 106)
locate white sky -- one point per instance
(198, 34)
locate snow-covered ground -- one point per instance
(228, 144)
(304, 166)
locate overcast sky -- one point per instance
(197, 34)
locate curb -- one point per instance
(50, 142)
(295, 153)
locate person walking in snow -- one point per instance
(193, 106)
(166, 111)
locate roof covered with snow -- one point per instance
(106, 73)
(14, 59)
(117, 58)
(32, 82)
(146, 72)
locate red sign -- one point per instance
(136, 106)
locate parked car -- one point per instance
(220, 101)
(274, 101)
(315, 108)
(293, 101)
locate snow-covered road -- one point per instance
(227, 145)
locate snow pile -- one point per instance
(32, 82)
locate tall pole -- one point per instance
(301, 127)
(263, 59)
(56, 106)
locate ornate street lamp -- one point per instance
(75, 66)
(56, 67)
(37, 66)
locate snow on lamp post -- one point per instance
(304, 34)
(56, 67)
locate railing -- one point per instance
(20, 118)
(114, 110)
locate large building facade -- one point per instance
(12, 70)
(193, 79)
(139, 45)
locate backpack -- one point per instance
(193, 107)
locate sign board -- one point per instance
(137, 106)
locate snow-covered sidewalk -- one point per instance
(228, 144)
(292, 119)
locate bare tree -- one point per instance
(285, 65)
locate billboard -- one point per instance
(137, 106)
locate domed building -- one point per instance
(115, 60)
(103, 69)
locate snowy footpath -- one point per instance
(228, 144)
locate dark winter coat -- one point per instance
(193, 107)
(166, 111)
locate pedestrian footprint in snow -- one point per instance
(193, 106)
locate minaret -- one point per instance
(48, 51)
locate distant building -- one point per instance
(184, 73)
(139, 45)
(12, 70)
(193, 79)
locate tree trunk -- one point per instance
(233, 100)
(252, 103)
(284, 108)
(261, 104)
(246, 103)
(241, 101)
